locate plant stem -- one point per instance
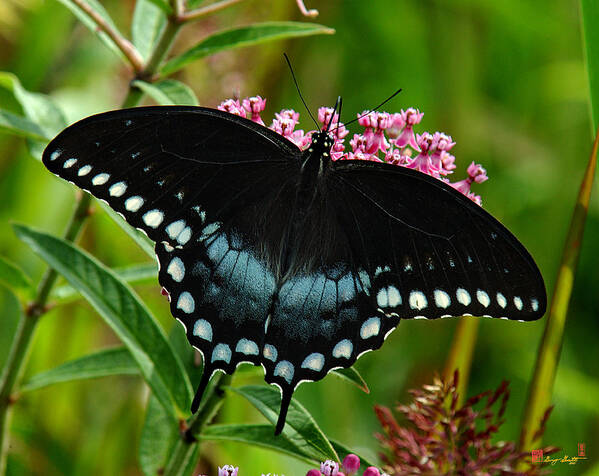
(188, 444)
(126, 47)
(207, 10)
(541, 387)
(460, 354)
(22, 339)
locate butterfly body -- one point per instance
(282, 257)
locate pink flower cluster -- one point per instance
(386, 138)
(350, 467)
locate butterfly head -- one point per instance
(321, 144)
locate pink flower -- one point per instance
(313, 472)
(397, 124)
(329, 468)
(423, 161)
(324, 117)
(447, 163)
(227, 470)
(351, 464)
(375, 123)
(410, 117)
(440, 143)
(395, 157)
(475, 174)
(255, 105)
(232, 106)
(371, 471)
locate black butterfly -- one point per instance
(286, 259)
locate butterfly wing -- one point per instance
(393, 243)
(210, 188)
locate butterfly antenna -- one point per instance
(333, 114)
(375, 108)
(298, 90)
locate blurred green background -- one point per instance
(506, 79)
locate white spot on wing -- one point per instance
(176, 269)
(418, 300)
(117, 189)
(56, 154)
(270, 352)
(84, 170)
(186, 303)
(535, 304)
(132, 204)
(483, 297)
(184, 236)
(370, 328)
(463, 296)
(69, 162)
(100, 179)
(285, 370)
(518, 303)
(203, 329)
(175, 228)
(501, 300)
(314, 361)
(442, 299)
(394, 296)
(247, 347)
(221, 352)
(381, 298)
(153, 218)
(343, 348)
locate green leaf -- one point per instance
(244, 36)
(21, 126)
(300, 426)
(169, 91)
(353, 376)
(149, 20)
(107, 362)
(158, 436)
(38, 108)
(13, 276)
(145, 273)
(589, 10)
(123, 311)
(91, 25)
(257, 435)
(164, 5)
(138, 236)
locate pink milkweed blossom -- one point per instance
(329, 468)
(387, 137)
(254, 106)
(228, 470)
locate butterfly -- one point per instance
(283, 258)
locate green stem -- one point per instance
(188, 445)
(541, 387)
(24, 333)
(460, 354)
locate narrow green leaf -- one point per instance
(353, 376)
(145, 273)
(244, 36)
(257, 435)
(300, 426)
(89, 23)
(164, 5)
(137, 236)
(543, 380)
(149, 20)
(123, 311)
(169, 91)
(38, 108)
(13, 276)
(107, 362)
(158, 435)
(21, 126)
(589, 10)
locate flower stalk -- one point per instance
(541, 387)
(460, 354)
